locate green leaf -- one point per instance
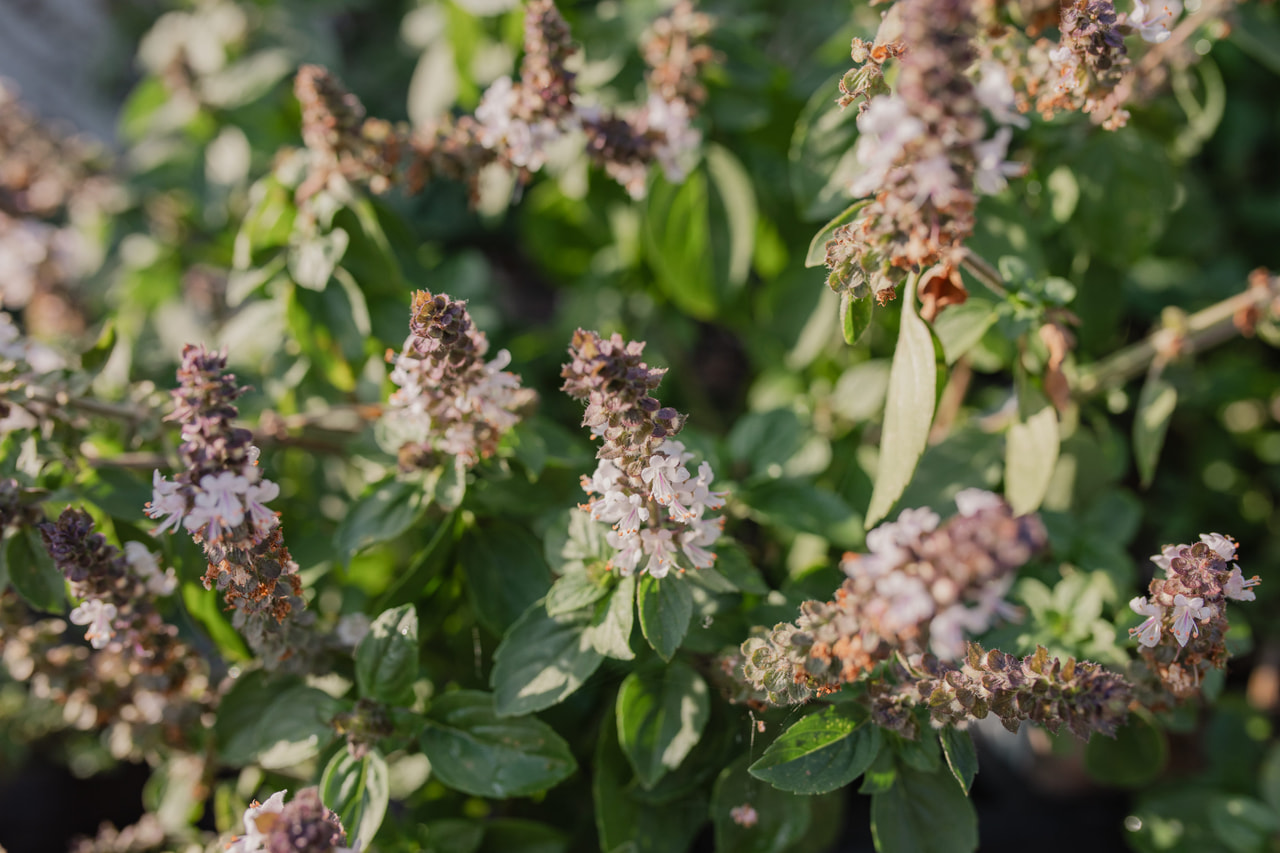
(781, 818)
(205, 608)
(427, 562)
(961, 755)
(450, 835)
(33, 574)
(733, 563)
(386, 509)
(93, 358)
(881, 775)
(797, 504)
(358, 790)
(821, 753)
(666, 606)
(817, 254)
(625, 822)
(541, 660)
(475, 750)
(387, 657)
(505, 572)
(1133, 758)
(855, 316)
(822, 162)
(573, 592)
(1269, 778)
(513, 835)
(313, 259)
(1242, 823)
(610, 631)
(1031, 452)
(661, 714)
(1156, 403)
(278, 721)
(923, 813)
(908, 410)
(962, 326)
(268, 223)
(736, 209)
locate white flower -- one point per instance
(1164, 559)
(1154, 21)
(935, 180)
(1148, 633)
(145, 565)
(906, 602)
(995, 92)
(96, 614)
(255, 502)
(524, 144)
(700, 536)
(630, 549)
(885, 128)
(693, 497)
(662, 475)
(680, 140)
(973, 501)
(992, 169)
(1237, 587)
(219, 503)
(258, 820)
(888, 540)
(661, 549)
(1223, 546)
(1185, 612)
(166, 500)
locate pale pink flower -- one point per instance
(98, 616)
(1237, 587)
(167, 503)
(1185, 613)
(1148, 633)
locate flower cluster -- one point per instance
(303, 825)
(1082, 696)
(1184, 634)
(518, 119)
(1084, 71)
(923, 586)
(642, 486)
(924, 152)
(450, 400)
(220, 497)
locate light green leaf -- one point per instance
(387, 657)
(1156, 403)
(313, 259)
(358, 790)
(737, 200)
(781, 818)
(962, 326)
(923, 813)
(817, 254)
(666, 606)
(821, 753)
(476, 750)
(908, 409)
(661, 714)
(855, 316)
(1031, 452)
(386, 509)
(610, 631)
(573, 592)
(541, 660)
(1242, 823)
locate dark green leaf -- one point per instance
(474, 750)
(961, 755)
(513, 835)
(33, 574)
(1242, 823)
(505, 572)
(386, 509)
(661, 714)
(358, 790)
(855, 316)
(627, 823)
(541, 660)
(781, 818)
(908, 411)
(733, 563)
(666, 607)
(427, 562)
(93, 358)
(797, 504)
(1134, 757)
(387, 657)
(1269, 778)
(765, 439)
(450, 835)
(821, 753)
(923, 813)
(1156, 403)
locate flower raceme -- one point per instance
(642, 485)
(1183, 634)
(303, 825)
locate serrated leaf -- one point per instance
(923, 813)
(610, 631)
(661, 714)
(358, 789)
(908, 412)
(781, 818)
(475, 750)
(541, 660)
(666, 606)
(961, 755)
(821, 753)
(855, 316)
(387, 657)
(1031, 452)
(1156, 403)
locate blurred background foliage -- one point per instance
(203, 242)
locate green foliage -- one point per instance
(823, 752)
